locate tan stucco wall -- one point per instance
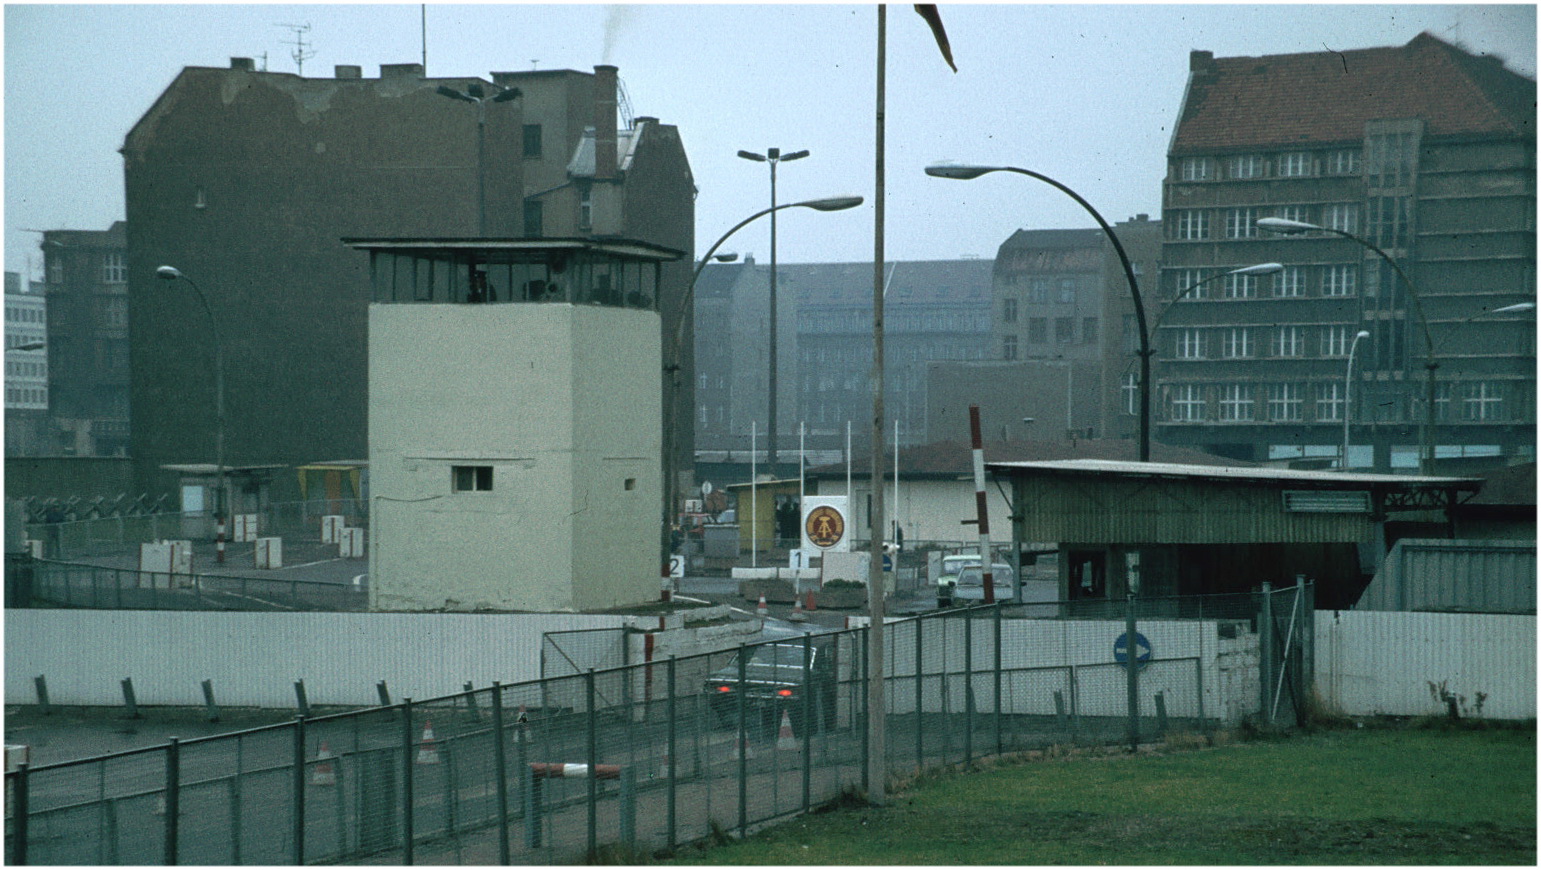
(562, 402)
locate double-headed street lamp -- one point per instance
(672, 362)
(477, 96)
(1348, 386)
(965, 172)
(1288, 227)
(172, 273)
(772, 156)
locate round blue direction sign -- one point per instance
(1141, 649)
(888, 562)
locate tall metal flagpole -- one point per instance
(877, 791)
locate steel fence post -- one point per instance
(809, 726)
(866, 710)
(920, 685)
(1198, 679)
(968, 686)
(173, 800)
(19, 832)
(1308, 641)
(593, 760)
(1132, 669)
(743, 741)
(406, 781)
(670, 751)
(500, 769)
(1265, 653)
(1000, 741)
(298, 779)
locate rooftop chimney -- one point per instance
(604, 121)
(1201, 61)
(348, 71)
(243, 63)
(401, 70)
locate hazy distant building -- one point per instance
(933, 310)
(246, 181)
(1424, 150)
(1063, 342)
(26, 371)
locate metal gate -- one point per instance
(1286, 629)
(574, 653)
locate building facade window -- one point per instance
(1388, 221)
(534, 219)
(1064, 330)
(114, 268)
(1038, 330)
(1246, 166)
(1340, 280)
(1389, 159)
(1236, 403)
(1187, 284)
(1038, 290)
(1008, 347)
(1342, 216)
(1190, 344)
(1284, 403)
(1197, 168)
(1188, 403)
(1191, 224)
(1240, 223)
(586, 210)
(1329, 402)
(1290, 282)
(1295, 164)
(1240, 286)
(1067, 291)
(1483, 402)
(1285, 341)
(1293, 213)
(1344, 161)
(1009, 310)
(1334, 341)
(532, 143)
(1236, 342)
(471, 478)
(1088, 330)
(1131, 391)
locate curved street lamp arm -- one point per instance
(1134, 293)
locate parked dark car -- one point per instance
(774, 682)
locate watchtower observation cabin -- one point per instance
(515, 428)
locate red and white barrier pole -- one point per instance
(981, 505)
(219, 539)
(555, 770)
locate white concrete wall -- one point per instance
(562, 401)
(1370, 663)
(255, 658)
(931, 510)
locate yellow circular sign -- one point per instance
(825, 526)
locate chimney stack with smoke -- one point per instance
(604, 121)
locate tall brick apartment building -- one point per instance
(246, 181)
(1424, 150)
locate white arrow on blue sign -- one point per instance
(1141, 646)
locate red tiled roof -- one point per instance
(1279, 100)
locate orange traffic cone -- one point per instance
(797, 611)
(322, 773)
(785, 739)
(428, 751)
(760, 609)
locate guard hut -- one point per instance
(1202, 530)
(514, 423)
(249, 488)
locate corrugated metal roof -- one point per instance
(1231, 473)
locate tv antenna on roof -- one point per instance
(302, 49)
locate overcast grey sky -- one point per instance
(1086, 94)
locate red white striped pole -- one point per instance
(556, 770)
(219, 538)
(980, 505)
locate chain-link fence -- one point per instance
(40, 582)
(610, 763)
(298, 523)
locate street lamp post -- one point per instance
(672, 363)
(1348, 386)
(965, 172)
(475, 95)
(171, 273)
(1288, 227)
(772, 156)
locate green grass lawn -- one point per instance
(1359, 796)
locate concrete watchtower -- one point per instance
(514, 423)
